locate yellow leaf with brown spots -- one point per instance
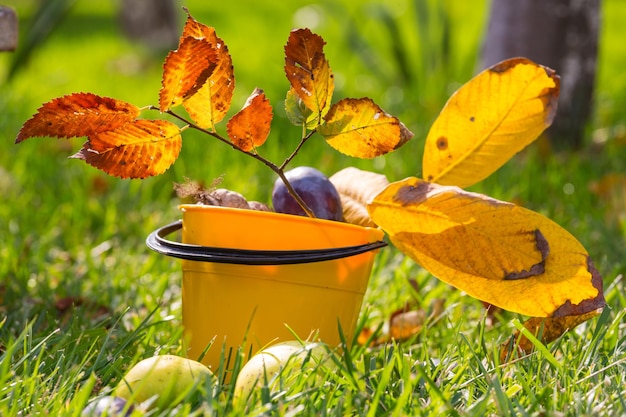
(495, 251)
(359, 128)
(488, 120)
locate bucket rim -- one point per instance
(261, 214)
(158, 242)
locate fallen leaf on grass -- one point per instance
(611, 190)
(403, 324)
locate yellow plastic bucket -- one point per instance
(253, 277)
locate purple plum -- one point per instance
(314, 188)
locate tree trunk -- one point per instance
(8, 29)
(560, 34)
(153, 22)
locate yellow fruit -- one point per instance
(162, 379)
(287, 358)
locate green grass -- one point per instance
(70, 233)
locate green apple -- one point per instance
(287, 359)
(162, 379)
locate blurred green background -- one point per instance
(407, 56)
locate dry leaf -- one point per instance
(356, 188)
(405, 324)
(611, 191)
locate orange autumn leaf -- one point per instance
(250, 127)
(404, 324)
(358, 127)
(79, 114)
(488, 120)
(495, 251)
(139, 149)
(308, 71)
(209, 104)
(185, 71)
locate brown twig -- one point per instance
(279, 170)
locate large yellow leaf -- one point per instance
(488, 120)
(139, 149)
(208, 104)
(358, 127)
(495, 251)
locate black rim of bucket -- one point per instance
(158, 243)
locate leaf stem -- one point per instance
(295, 151)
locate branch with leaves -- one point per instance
(493, 250)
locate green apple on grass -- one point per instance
(162, 380)
(281, 362)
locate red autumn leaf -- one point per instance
(308, 71)
(208, 105)
(186, 70)
(79, 114)
(250, 127)
(140, 149)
